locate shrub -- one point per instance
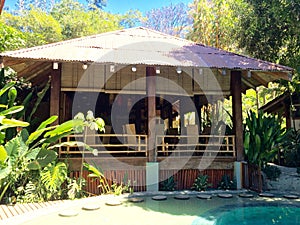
(272, 172)
(201, 183)
(226, 183)
(168, 184)
(291, 147)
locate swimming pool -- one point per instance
(193, 211)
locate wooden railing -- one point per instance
(136, 145)
(106, 144)
(196, 145)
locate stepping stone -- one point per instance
(291, 196)
(204, 196)
(245, 195)
(113, 202)
(68, 213)
(136, 200)
(182, 197)
(225, 195)
(91, 207)
(159, 197)
(267, 195)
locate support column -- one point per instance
(236, 92)
(198, 108)
(151, 91)
(55, 92)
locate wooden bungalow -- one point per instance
(288, 106)
(152, 90)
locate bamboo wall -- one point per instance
(184, 178)
(100, 78)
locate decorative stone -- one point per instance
(245, 195)
(113, 202)
(225, 195)
(204, 196)
(267, 195)
(182, 197)
(159, 197)
(291, 196)
(136, 200)
(91, 207)
(68, 213)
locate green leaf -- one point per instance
(47, 122)
(45, 157)
(5, 172)
(13, 122)
(6, 88)
(3, 154)
(32, 154)
(12, 95)
(64, 127)
(12, 110)
(36, 134)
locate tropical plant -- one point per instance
(262, 137)
(226, 183)
(201, 183)
(88, 122)
(123, 187)
(272, 172)
(97, 173)
(75, 188)
(291, 148)
(168, 184)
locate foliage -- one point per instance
(96, 173)
(77, 22)
(270, 29)
(96, 4)
(291, 148)
(168, 184)
(201, 183)
(75, 188)
(272, 172)
(123, 187)
(226, 183)
(171, 19)
(37, 26)
(263, 135)
(27, 161)
(215, 22)
(10, 38)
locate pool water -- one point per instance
(266, 215)
(194, 211)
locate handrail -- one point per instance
(95, 141)
(221, 145)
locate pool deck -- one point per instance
(8, 211)
(12, 212)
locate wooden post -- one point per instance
(151, 91)
(198, 108)
(236, 92)
(55, 92)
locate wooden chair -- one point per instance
(192, 132)
(130, 138)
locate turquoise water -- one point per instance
(265, 215)
(278, 214)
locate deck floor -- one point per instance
(9, 211)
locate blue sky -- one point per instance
(121, 6)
